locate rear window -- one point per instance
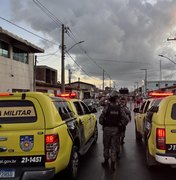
(173, 112)
(156, 102)
(17, 111)
(63, 109)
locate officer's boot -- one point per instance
(113, 165)
(105, 163)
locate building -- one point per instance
(17, 58)
(84, 90)
(46, 80)
(155, 85)
(158, 85)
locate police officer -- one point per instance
(123, 104)
(112, 120)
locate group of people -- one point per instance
(114, 119)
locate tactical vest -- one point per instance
(113, 116)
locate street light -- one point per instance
(167, 58)
(74, 45)
(145, 82)
(63, 66)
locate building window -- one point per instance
(20, 55)
(156, 85)
(4, 49)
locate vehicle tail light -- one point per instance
(51, 147)
(161, 138)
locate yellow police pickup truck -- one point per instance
(160, 133)
(140, 113)
(41, 136)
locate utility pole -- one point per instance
(137, 87)
(145, 81)
(63, 61)
(103, 78)
(110, 84)
(35, 67)
(160, 76)
(69, 76)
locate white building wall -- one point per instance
(16, 75)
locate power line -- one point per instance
(90, 58)
(79, 66)
(28, 31)
(56, 20)
(50, 54)
(48, 12)
(118, 61)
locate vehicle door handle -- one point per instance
(3, 149)
(173, 131)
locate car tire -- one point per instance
(150, 162)
(73, 164)
(138, 135)
(95, 135)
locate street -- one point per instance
(131, 164)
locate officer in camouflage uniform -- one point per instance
(112, 118)
(123, 104)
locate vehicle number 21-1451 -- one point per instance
(37, 159)
(171, 147)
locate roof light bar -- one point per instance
(67, 95)
(161, 94)
(5, 94)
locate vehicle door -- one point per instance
(138, 116)
(142, 116)
(89, 118)
(83, 121)
(21, 130)
(170, 126)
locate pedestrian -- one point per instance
(123, 104)
(110, 119)
(138, 101)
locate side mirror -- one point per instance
(94, 110)
(136, 110)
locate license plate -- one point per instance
(7, 173)
(24, 161)
(170, 148)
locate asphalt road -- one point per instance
(130, 165)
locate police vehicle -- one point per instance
(41, 136)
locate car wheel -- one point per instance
(138, 135)
(73, 164)
(150, 162)
(95, 134)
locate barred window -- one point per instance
(4, 49)
(20, 55)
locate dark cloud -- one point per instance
(121, 36)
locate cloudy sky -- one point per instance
(120, 37)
